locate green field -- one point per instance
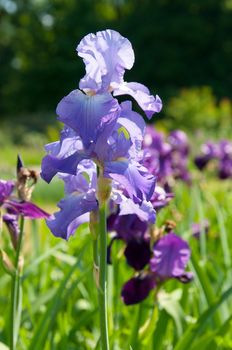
(60, 308)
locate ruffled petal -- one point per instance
(144, 210)
(150, 104)
(52, 165)
(171, 255)
(134, 178)
(106, 56)
(63, 223)
(84, 180)
(135, 126)
(65, 147)
(87, 115)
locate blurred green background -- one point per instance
(183, 52)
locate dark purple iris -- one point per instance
(168, 259)
(138, 253)
(209, 151)
(221, 152)
(137, 289)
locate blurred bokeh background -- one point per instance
(183, 53)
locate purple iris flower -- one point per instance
(137, 289)
(225, 159)
(132, 229)
(15, 207)
(167, 158)
(19, 207)
(160, 198)
(100, 131)
(179, 142)
(169, 259)
(157, 154)
(200, 227)
(209, 151)
(221, 152)
(106, 56)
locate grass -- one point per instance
(60, 309)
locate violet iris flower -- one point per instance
(220, 152)
(167, 158)
(225, 160)
(90, 117)
(100, 131)
(106, 56)
(19, 207)
(169, 259)
(15, 207)
(199, 228)
(209, 151)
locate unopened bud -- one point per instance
(104, 189)
(26, 180)
(6, 263)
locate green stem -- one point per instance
(134, 338)
(15, 293)
(102, 290)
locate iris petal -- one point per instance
(171, 255)
(63, 223)
(150, 104)
(52, 165)
(87, 115)
(138, 183)
(106, 56)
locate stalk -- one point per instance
(102, 290)
(15, 292)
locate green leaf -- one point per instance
(46, 322)
(206, 286)
(193, 331)
(170, 303)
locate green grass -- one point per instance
(60, 308)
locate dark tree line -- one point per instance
(178, 43)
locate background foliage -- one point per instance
(177, 44)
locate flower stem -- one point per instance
(102, 290)
(15, 293)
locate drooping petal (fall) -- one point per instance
(63, 223)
